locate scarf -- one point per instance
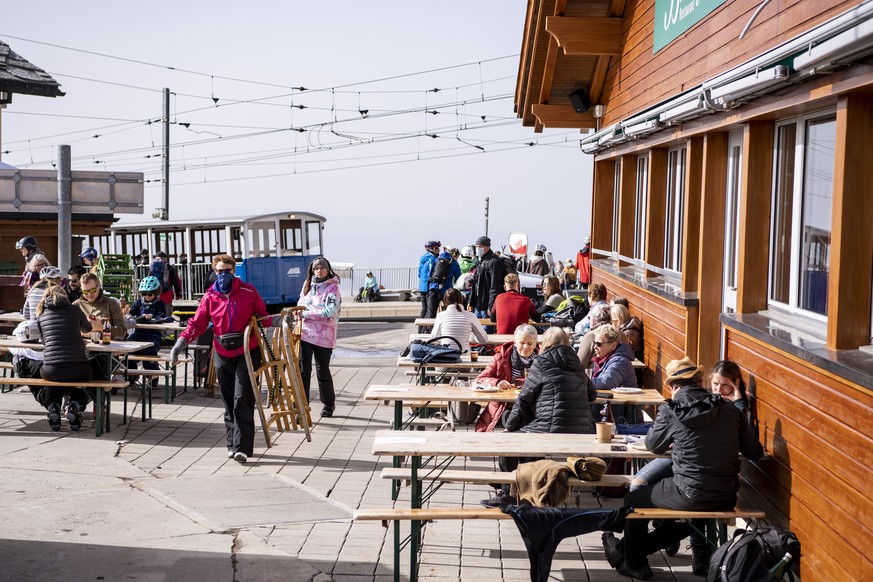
(600, 361)
(519, 365)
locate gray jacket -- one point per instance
(708, 434)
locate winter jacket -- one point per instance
(489, 281)
(61, 326)
(157, 310)
(617, 370)
(105, 307)
(500, 368)
(512, 309)
(425, 264)
(550, 304)
(707, 433)
(556, 397)
(583, 265)
(633, 331)
(467, 265)
(229, 313)
(323, 303)
(538, 266)
(454, 274)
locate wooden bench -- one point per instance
(163, 359)
(487, 477)
(102, 399)
(144, 385)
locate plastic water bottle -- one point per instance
(779, 569)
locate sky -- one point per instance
(405, 126)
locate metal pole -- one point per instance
(165, 201)
(486, 214)
(65, 208)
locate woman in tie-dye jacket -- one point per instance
(321, 298)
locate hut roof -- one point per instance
(18, 75)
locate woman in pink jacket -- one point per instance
(322, 299)
(229, 304)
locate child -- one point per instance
(147, 309)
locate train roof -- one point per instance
(201, 222)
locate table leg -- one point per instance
(395, 462)
(415, 525)
(98, 411)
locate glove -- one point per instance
(277, 320)
(143, 319)
(180, 346)
(129, 321)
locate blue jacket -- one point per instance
(618, 371)
(157, 310)
(425, 264)
(454, 274)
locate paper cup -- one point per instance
(604, 431)
(474, 356)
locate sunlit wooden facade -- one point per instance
(733, 207)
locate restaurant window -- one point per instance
(802, 199)
(616, 205)
(640, 204)
(675, 209)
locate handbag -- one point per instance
(430, 352)
(231, 341)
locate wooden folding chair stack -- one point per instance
(285, 404)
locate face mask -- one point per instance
(480, 252)
(224, 282)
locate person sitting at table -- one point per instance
(456, 322)
(511, 308)
(556, 398)
(599, 315)
(147, 309)
(27, 361)
(48, 275)
(507, 371)
(707, 434)
(98, 306)
(726, 380)
(613, 360)
(552, 297)
(74, 283)
(64, 357)
(596, 295)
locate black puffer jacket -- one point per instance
(555, 397)
(708, 434)
(60, 325)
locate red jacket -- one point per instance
(228, 315)
(583, 266)
(500, 368)
(512, 309)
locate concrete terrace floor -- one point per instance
(79, 507)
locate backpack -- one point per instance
(440, 271)
(775, 543)
(570, 312)
(739, 560)
(159, 270)
(509, 264)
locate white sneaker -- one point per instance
(229, 454)
(240, 457)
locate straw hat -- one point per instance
(684, 369)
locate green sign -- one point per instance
(673, 17)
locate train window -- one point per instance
(262, 239)
(292, 237)
(313, 238)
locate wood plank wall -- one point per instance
(818, 428)
(640, 78)
(665, 324)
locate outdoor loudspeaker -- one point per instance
(580, 100)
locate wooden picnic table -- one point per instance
(175, 326)
(102, 398)
(12, 317)
(431, 321)
(494, 339)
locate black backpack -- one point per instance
(739, 560)
(440, 271)
(509, 265)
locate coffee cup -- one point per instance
(474, 356)
(604, 431)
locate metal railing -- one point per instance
(194, 276)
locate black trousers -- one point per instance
(639, 542)
(322, 372)
(239, 400)
(70, 372)
(433, 302)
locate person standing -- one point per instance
(707, 435)
(489, 278)
(322, 299)
(90, 257)
(229, 304)
(538, 263)
(425, 265)
(511, 308)
(143, 259)
(443, 275)
(583, 264)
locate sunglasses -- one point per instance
(598, 344)
(148, 294)
(90, 291)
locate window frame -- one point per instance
(641, 204)
(798, 194)
(674, 208)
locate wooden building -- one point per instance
(733, 207)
